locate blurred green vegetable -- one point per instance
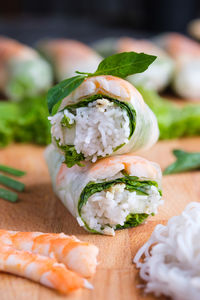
(173, 121)
(186, 161)
(25, 121)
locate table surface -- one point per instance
(40, 210)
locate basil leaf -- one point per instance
(62, 90)
(186, 161)
(123, 64)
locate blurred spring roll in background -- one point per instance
(157, 76)
(104, 116)
(186, 54)
(114, 193)
(22, 71)
(68, 56)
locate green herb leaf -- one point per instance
(186, 161)
(9, 182)
(62, 90)
(123, 64)
(8, 195)
(12, 171)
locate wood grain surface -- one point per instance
(39, 210)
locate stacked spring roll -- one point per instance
(94, 131)
(186, 54)
(113, 193)
(105, 116)
(22, 71)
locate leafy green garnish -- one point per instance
(121, 65)
(133, 220)
(65, 122)
(71, 156)
(173, 121)
(186, 161)
(62, 90)
(8, 195)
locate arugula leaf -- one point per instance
(133, 220)
(186, 161)
(123, 64)
(71, 156)
(56, 94)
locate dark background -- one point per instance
(88, 20)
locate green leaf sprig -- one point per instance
(120, 65)
(186, 161)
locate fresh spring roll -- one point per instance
(159, 73)
(186, 54)
(113, 193)
(68, 56)
(104, 116)
(22, 71)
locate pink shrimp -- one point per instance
(38, 268)
(78, 256)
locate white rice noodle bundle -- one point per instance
(171, 263)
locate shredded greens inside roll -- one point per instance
(95, 127)
(116, 204)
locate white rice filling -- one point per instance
(99, 128)
(112, 206)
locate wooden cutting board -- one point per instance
(40, 210)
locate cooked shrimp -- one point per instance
(42, 269)
(78, 256)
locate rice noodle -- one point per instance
(171, 264)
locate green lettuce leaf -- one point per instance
(71, 156)
(24, 121)
(173, 121)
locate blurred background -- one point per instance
(89, 20)
(33, 59)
